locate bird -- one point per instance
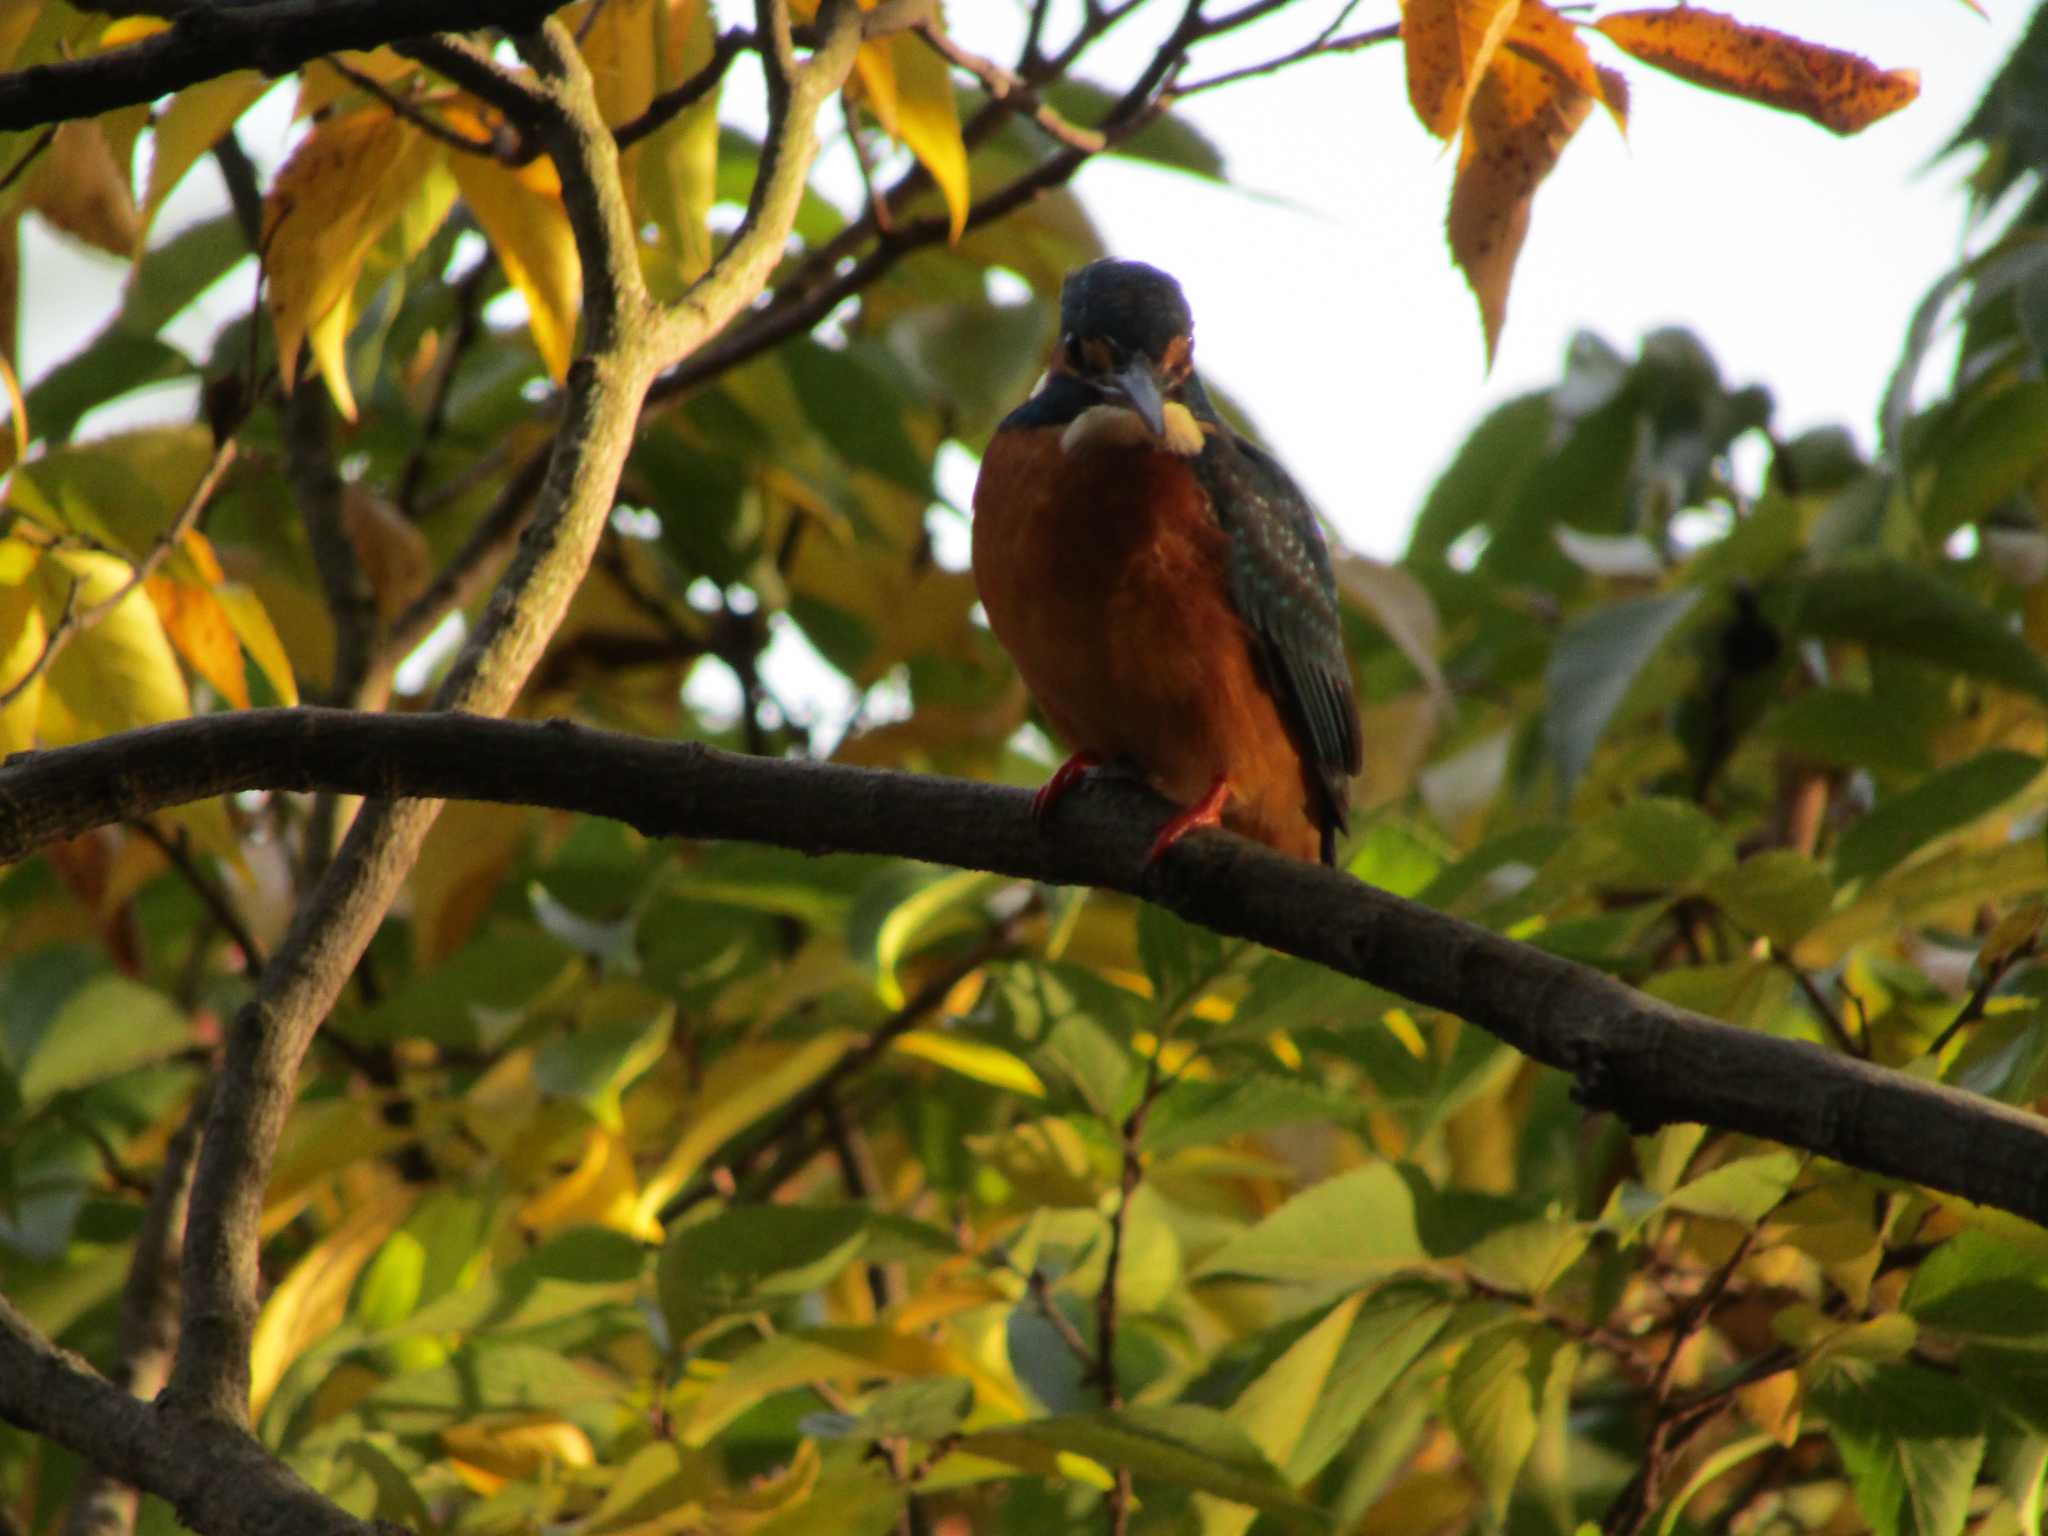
(1162, 584)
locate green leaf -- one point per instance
(1193, 1114)
(1779, 893)
(500, 1377)
(1169, 139)
(598, 1063)
(65, 1024)
(1592, 666)
(1480, 486)
(916, 1410)
(730, 1262)
(1101, 1069)
(569, 1274)
(1975, 1285)
(858, 409)
(1181, 958)
(1951, 799)
(1500, 1390)
(1994, 451)
(1911, 1440)
(1889, 606)
(1393, 1330)
(1839, 725)
(1179, 1443)
(1744, 1190)
(1347, 1229)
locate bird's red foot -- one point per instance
(1205, 812)
(1065, 777)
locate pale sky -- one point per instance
(1325, 300)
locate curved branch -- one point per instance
(1647, 1061)
(208, 41)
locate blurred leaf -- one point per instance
(1449, 45)
(1179, 1443)
(1911, 1440)
(1744, 1190)
(1953, 798)
(917, 106)
(1886, 605)
(1994, 450)
(1836, 725)
(1778, 893)
(190, 126)
(1593, 665)
(734, 1260)
(65, 1024)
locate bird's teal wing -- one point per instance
(1286, 592)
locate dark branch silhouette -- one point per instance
(1645, 1060)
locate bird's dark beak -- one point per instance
(1139, 385)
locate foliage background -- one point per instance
(637, 1186)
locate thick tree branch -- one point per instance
(101, 1504)
(1644, 1059)
(207, 41)
(217, 1476)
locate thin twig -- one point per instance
(412, 113)
(1013, 91)
(75, 621)
(681, 97)
(211, 896)
(1823, 1010)
(1322, 48)
(28, 157)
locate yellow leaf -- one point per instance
(984, 1063)
(1773, 1405)
(22, 633)
(1543, 37)
(16, 445)
(121, 673)
(527, 226)
(1520, 120)
(343, 185)
(911, 90)
(259, 638)
(1843, 92)
(600, 1191)
(79, 187)
(321, 85)
(520, 1445)
(678, 165)
(1449, 45)
(190, 126)
(742, 1085)
(311, 1300)
(203, 633)
(132, 29)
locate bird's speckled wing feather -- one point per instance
(1286, 592)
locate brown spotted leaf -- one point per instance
(1543, 37)
(1521, 118)
(1841, 91)
(1448, 44)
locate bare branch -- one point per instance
(207, 41)
(1013, 91)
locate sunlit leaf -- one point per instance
(1449, 46)
(1521, 117)
(1840, 91)
(190, 126)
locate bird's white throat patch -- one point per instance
(1118, 426)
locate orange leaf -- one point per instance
(1521, 118)
(1841, 91)
(1449, 44)
(203, 633)
(1543, 37)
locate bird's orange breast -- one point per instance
(1106, 577)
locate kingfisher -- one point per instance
(1162, 584)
